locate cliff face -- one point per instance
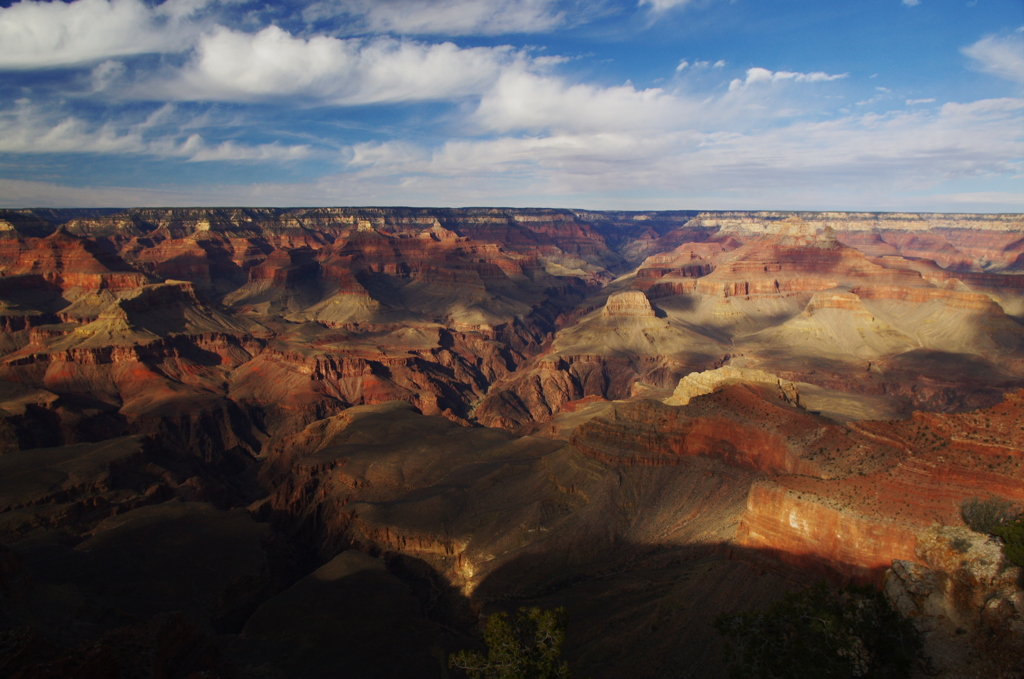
(811, 535)
(921, 470)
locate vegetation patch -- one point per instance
(1013, 541)
(982, 516)
(999, 517)
(525, 646)
(821, 633)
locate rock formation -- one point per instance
(630, 303)
(698, 384)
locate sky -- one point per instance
(874, 105)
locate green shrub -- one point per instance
(998, 517)
(984, 515)
(821, 633)
(1013, 541)
(527, 646)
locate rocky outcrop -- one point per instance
(957, 241)
(845, 301)
(698, 384)
(772, 222)
(742, 426)
(955, 299)
(809, 534)
(965, 601)
(540, 388)
(631, 303)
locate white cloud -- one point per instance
(198, 151)
(48, 34)
(758, 75)
(521, 100)
(663, 5)
(26, 129)
(446, 17)
(914, 102)
(984, 108)
(1001, 56)
(873, 100)
(527, 101)
(911, 3)
(235, 66)
(697, 65)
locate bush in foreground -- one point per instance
(982, 516)
(1013, 541)
(821, 633)
(998, 517)
(526, 646)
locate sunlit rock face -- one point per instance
(632, 303)
(698, 384)
(917, 473)
(647, 417)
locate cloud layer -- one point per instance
(27, 129)
(911, 149)
(415, 101)
(449, 17)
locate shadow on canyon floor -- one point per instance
(123, 607)
(644, 610)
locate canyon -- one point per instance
(309, 442)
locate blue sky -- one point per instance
(889, 105)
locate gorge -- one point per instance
(322, 442)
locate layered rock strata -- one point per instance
(254, 391)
